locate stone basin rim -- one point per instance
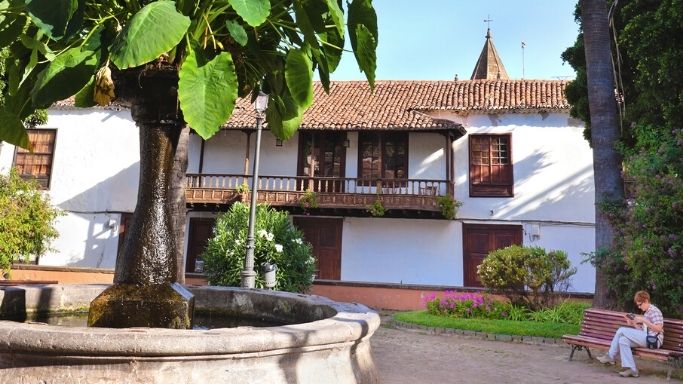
(351, 323)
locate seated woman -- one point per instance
(651, 323)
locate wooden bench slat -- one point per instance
(598, 327)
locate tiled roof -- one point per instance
(401, 104)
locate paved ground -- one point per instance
(414, 357)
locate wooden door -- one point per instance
(479, 240)
(198, 236)
(325, 236)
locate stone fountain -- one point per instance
(130, 340)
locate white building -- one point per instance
(506, 149)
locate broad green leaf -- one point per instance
(362, 12)
(84, 97)
(333, 49)
(254, 12)
(207, 93)
(237, 32)
(10, 29)
(76, 20)
(305, 24)
(299, 76)
(336, 14)
(52, 16)
(323, 68)
(283, 117)
(12, 130)
(366, 53)
(151, 32)
(64, 76)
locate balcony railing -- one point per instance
(330, 192)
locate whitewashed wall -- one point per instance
(225, 152)
(407, 251)
(94, 178)
(553, 169)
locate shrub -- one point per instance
(26, 220)
(466, 305)
(276, 241)
(475, 305)
(449, 206)
(526, 275)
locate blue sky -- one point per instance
(437, 39)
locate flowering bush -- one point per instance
(466, 305)
(476, 305)
(275, 240)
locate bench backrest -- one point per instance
(602, 324)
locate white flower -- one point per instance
(278, 248)
(298, 241)
(263, 233)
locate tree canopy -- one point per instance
(649, 254)
(223, 49)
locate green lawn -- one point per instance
(504, 327)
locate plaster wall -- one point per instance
(85, 240)
(94, 178)
(576, 240)
(553, 169)
(225, 153)
(96, 160)
(407, 251)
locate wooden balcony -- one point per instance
(399, 195)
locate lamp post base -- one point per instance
(248, 279)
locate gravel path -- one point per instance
(414, 357)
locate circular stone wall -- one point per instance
(327, 342)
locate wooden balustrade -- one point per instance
(419, 194)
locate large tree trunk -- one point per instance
(177, 200)
(609, 186)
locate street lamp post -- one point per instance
(248, 274)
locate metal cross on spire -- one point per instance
(488, 21)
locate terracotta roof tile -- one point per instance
(400, 104)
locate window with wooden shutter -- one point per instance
(491, 166)
(383, 156)
(37, 165)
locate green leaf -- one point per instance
(299, 76)
(333, 50)
(52, 16)
(84, 97)
(305, 24)
(12, 130)
(151, 32)
(64, 76)
(323, 70)
(283, 117)
(366, 54)
(254, 12)
(207, 93)
(237, 32)
(10, 29)
(336, 14)
(361, 12)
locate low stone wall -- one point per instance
(330, 343)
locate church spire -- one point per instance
(489, 66)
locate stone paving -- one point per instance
(413, 356)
